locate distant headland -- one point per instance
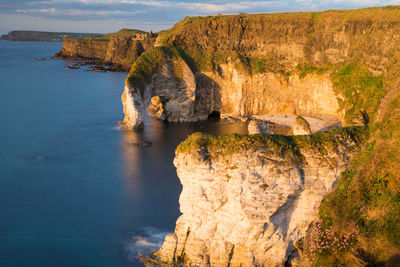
(38, 36)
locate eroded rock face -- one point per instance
(248, 208)
(156, 108)
(193, 96)
(120, 49)
(272, 93)
(134, 104)
(172, 97)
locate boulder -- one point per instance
(300, 126)
(260, 127)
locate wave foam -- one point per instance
(144, 243)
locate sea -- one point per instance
(74, 190)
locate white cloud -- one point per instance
(47, 10)
(158, 12)
(212, 8)
(201, 6)
(162, 4)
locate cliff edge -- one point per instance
(248, 200)
(121, 48)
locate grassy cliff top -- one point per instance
(147, 64)
(388, 13)
(290, 148)
(150, 62)
(120, 33)
(130, 31)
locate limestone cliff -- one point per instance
(175, 93)
(121, 48)
(236, 93)
(280, 63)
(247, 200)
(83, 48)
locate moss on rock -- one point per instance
(287, 147)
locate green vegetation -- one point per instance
(305, 69)
(368, 195)
(150, 61)
(107, 37)
(361, 90)
(130, 31)
(147, 64)
(37, 36)
(287, 147)
(358, 89)
(258, 65)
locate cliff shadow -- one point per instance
(208, 96)
(283, 215)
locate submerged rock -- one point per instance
(141, 143)
(70, 67)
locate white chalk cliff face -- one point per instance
(134, 106)
(173, 87)
(273, 93)
(187, 96)
(249, 208)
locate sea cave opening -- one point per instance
(215, 115)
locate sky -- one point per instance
(104, 16)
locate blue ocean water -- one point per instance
(73, 191)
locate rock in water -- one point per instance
(156, 108)
(300, 126)
(141, 143)
(260, 127)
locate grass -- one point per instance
(304, 69)
(368, 194)
(123, 32)
(151, 61)
(361, 90)
(289, 148)
(258, 65)
(147, 64)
